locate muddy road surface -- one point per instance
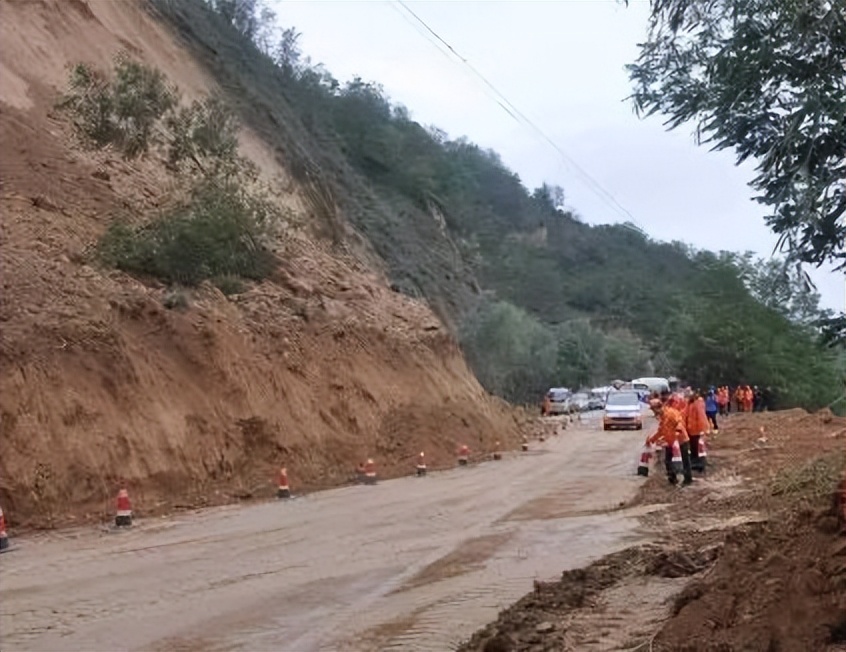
(408, 564)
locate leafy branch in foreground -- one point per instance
(766, 78)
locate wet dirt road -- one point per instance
(409, 564)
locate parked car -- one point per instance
(623, 410)
(596, 403)
(580, 402)
(559, 398)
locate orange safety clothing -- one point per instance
(670, 428)
(696, 420)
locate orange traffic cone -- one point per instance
(283, 491)
(369, 471)
(497, 455)
(4, 538)
(123, 517)
(421, 464)
(676, 459)
(645, 460)
(463, 455)
(702, 451)
(525, 444)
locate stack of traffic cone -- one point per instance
(421, 464)
(497, 455)
(463, 455)
(283, 490)
(123, 517)
(4, 538)
(369, 471)
(702, 451)
(525, 444)
(645, 460)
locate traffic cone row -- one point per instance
(366, 472)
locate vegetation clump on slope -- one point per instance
(537, 297)
(220, 230)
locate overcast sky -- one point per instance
(560, 62)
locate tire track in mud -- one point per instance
(410, 564)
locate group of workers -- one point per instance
(744, 398)
(684, 419)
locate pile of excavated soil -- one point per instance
(751, 557)
(776, 586)
(101, 383)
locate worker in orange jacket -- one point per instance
(738, 398)
(671, 429)
(748, 398)
(722, 400)
(697, 425)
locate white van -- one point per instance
(653, 384)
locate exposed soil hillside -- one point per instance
(318, 369)
(751, 557)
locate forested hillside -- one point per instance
(537, 297)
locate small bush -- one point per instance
(175, 299)
(205, 134)
(220, 232)
(229, 284)
(122, 111)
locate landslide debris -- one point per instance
(190, 396)
(752, 557)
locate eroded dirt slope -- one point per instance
(100, 381)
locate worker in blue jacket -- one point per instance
(711, 408)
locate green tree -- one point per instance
(568, 303)
(765, 78)
(773, 283)
(514, 355)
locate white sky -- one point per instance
(560, 62)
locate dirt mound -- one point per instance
(682, 563)
(773, 588)
(753, 557)
(548, 618)
(535, 622)
(200, 404)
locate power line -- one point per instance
(519, 117)
(425, 35)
